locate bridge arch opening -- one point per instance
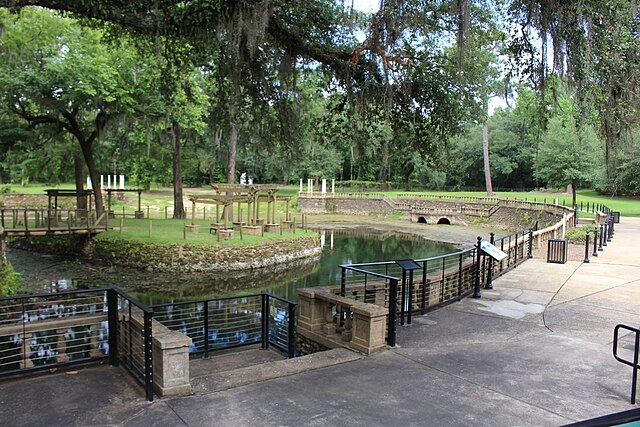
(444, 221)
(422, 220)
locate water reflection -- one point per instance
(340, 246)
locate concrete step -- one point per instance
(252, 371)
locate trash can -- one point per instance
(557, 251)
(616, 217)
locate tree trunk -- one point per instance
(178, 202)
(87, 152)
(81, 201)
(231, 165)
(485, 153)
(233, 152)
(384, 165)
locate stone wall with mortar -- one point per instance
(33, 201)
(341, 205)
(175, 257)
(202, 258)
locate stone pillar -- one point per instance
(300, 185)
(324, 185)
(369, 327)
(311, 314)
(333, 186)
(170, 361)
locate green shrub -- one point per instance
(578, 235)
(9, 280)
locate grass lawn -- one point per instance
(172, 231)
(157, 199)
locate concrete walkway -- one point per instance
(535, 351)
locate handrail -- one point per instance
(636, 353)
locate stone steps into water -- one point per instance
(236, 368)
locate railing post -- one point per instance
(634, 377)
(459, 277)
(265, 321)
(403, 296)
(424, 288)
(515, 258)
(476, 288)
(343, 282)
(530, 254)
(586, 249)
(148, 356)
(610, 225)
(489, 284)
(595, 242)
(410, 312)
(393, 310)
(291, 332)
(605, 235)
(206, 327)
(601, 232)
(112, 316)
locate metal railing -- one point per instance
(440, 280)
(70, 327)
(130, 337)
(222, 323)
(636, 353)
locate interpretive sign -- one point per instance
(407, 264)
(492, 251)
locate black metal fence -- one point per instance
(64, 328)
(130, 337)
(439, 281)
(222, 323)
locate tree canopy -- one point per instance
(285, 89)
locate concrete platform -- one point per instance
(534, 351)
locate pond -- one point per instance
(44, 273)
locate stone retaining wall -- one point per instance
(202, 258)
(340, 205)
(175, 257)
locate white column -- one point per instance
(308, 186)
(115, 182)
(301, 185)
(322, 238)
(333, 186)
(122, 182)
(108, 181)
(89, 186)
(332, 240)
(324, 185)
(102, 182)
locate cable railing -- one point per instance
(64, 328)
(433, 283)
(222, 323)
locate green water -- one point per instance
(46, 273)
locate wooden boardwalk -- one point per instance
(47, 222)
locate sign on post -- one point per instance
(492, 251)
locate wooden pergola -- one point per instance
(53, 194)
(251, 195)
